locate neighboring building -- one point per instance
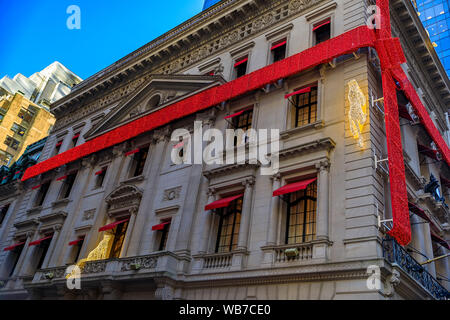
(43, 87)
(22, 123)
(25, 116)
(141, 226)
(435, 16)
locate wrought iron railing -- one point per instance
(394, 253)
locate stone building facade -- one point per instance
(152, 229)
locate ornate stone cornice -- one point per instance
(254, 22)
(227, 169)
(320, 144)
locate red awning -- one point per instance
(61, 178)
(59, 144)
(238, 63)
(129, 153)
(99, 172)
(445, 182)
(439, 240)
(292, 187)
(282, 43)
(160, 226)
(403, 112)
(75, 242)
(113, 225)
(428, 152)
(304, 90)
(238, 113)
(36, 187)
(179, 145)
(14, 246)
(76, 136)
(34, 243)
(416, 210)
(321, 25)
(222, 203)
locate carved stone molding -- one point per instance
(320, 144)
(88, 214)
(94, 267)
(172, 194)
(138, 263)
(124, 198)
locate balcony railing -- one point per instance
(395, 254)
(157, 262)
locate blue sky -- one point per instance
(34, 33)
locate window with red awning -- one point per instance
(112, 225)
(76, 242)
(10, 248)
(293, 187)
(439, 240)
(160, 226)
(35, 243)
(222, 203)
(428, 152)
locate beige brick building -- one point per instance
(141, 220)
(22, 123)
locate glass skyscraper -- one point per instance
(435, 16)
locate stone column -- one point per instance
(246, 215)
(206, 224)
(322, 232)
(23, 254)
(274, 208)
(142, 237)
(428, 249)
(272, 226)
(131, 223)
(51, 248)
(238, 258)
(443, 267)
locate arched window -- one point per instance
(153, 102)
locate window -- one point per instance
(18, 129)
(100, 177)
(77, 249)
(3, 212)
(229, 223)
(5, 158)
(301, 215)
(322, 31)
(119, 236)
(43, 247)
(278, 50)
(139, 160)
(164, 236)
(42, 193)
(240, 67)
(305, 107)
(26, 115)
(243, 121)
(67, 186)
(11, 142)
(16, 256)
(75, 139)
(58, 146)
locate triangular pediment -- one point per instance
(156, 93)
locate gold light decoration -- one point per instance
(357, 114)
(99, 253)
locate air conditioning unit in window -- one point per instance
(291, 252)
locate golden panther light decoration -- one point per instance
(99, 253)
(357, 114)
